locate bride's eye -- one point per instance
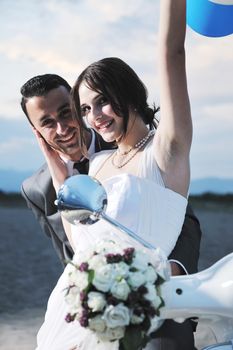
(103, 100)
(85, 110)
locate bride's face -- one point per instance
(99, 114)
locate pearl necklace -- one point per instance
(126, 155)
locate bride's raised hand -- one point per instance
(174, 133)
(56, 165)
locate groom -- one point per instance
(46, 104)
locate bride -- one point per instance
(146, 178)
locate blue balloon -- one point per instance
(210, 18)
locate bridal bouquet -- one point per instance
(114, 290)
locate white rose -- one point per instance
(116, 316)
(83, 256)
(121, 269)
(80, 279)
(155, 323)
(140, 260)
(73, 301)
(73, 296)
(111, 334)
(71, 276)
(137, 319)
(104, 277)
(108, 246)
(120, 290)
(69, 269)
(96, 301)
(161, 264)
(151, 275)
(152, 295)
(136, 279)
(97, 324)
(96, 262)
(76, 309)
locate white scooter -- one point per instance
(207, 295)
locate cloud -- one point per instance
(64, 36)
(118, 10)
(20, 153)
(211, 152)
(212, 158)
(72, 34)
(209, 66)
(15, 144)
(49, 58)
(223, 112)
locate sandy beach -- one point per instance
(29, 269)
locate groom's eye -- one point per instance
(65, 114)
(47, 122)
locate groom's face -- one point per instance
(51, 116)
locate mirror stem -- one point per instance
(126, 230)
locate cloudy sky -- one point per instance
(64, 36)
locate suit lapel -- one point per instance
(45, 185)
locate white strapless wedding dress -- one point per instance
(141, 203)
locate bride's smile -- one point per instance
(100, 114)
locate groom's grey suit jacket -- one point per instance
(40, 195)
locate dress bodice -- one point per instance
(141, 203)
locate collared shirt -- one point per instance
(70, 164)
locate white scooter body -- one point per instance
(207, 295)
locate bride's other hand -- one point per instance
(57, 167)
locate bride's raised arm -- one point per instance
(174, 134)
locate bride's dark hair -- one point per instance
(120, 85)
